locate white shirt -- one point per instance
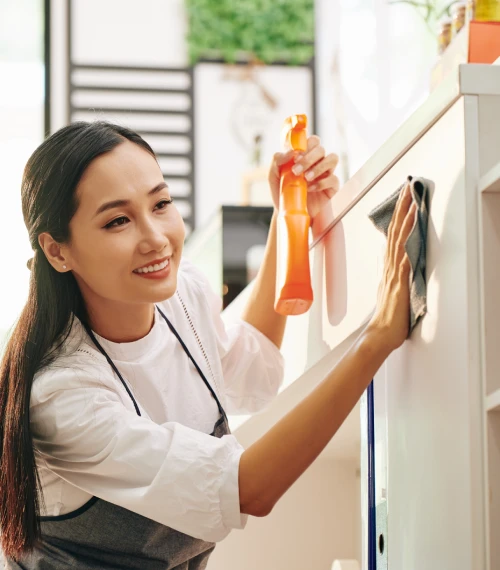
(164, 465)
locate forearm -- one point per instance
(259, 311)
(274, 462)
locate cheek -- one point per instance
(98, 253)
(177, 230)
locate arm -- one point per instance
(259, 311)
(180, 477)
(322, 185)
(274, 462)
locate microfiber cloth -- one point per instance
(416, 244)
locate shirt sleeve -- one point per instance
(169, 473)
(252, 365)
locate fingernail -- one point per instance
(297, 169)
(309, 175)
(298, 156)
(313, 187)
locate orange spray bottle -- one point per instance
(294, 293)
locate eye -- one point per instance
(163, 204)
(117, 222)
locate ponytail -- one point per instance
(44, 324)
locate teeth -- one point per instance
(152, 268)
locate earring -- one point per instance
(64, 267)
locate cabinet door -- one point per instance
(424, 404)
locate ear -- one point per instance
(54, 252)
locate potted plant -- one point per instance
(266, 31)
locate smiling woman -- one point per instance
(115, 448)
(106, 285)
(125, 220)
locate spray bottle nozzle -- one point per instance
(294, 133)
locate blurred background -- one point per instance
(208, 84)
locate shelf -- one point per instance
(490, 182)
(492, 402)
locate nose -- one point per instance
(153, 237)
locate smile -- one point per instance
(153, 268)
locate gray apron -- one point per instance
(103, 535)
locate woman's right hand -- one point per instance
(391, 320)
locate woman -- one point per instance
(116, 381)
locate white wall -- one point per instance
(21, 121)
(225, 107)
(384, 54)
(316, 522)
(126, 32)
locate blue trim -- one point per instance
(72, 514)
(372, 519)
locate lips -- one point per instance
(153, 266)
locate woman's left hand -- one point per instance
(318, 169)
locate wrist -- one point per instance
(375, 339)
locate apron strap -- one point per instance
(185, 348)
(112, 364)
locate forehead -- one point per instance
(119, 174)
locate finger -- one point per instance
(404, 233)
(398, 216)
(409, 222)
(281, 158)
(401, 208)
(313, 141)
(330, 192)
(326, 184)
(309, 159)
(326, 165)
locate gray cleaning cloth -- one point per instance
(416, 245)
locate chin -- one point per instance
(164, 292)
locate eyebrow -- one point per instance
(122, 203)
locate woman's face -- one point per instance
(126, 238)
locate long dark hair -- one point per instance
(49, 202)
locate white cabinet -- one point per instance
(431, 425)
(437, 399)
(437, 445)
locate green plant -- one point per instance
(265, 30)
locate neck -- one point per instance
(119, 323)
